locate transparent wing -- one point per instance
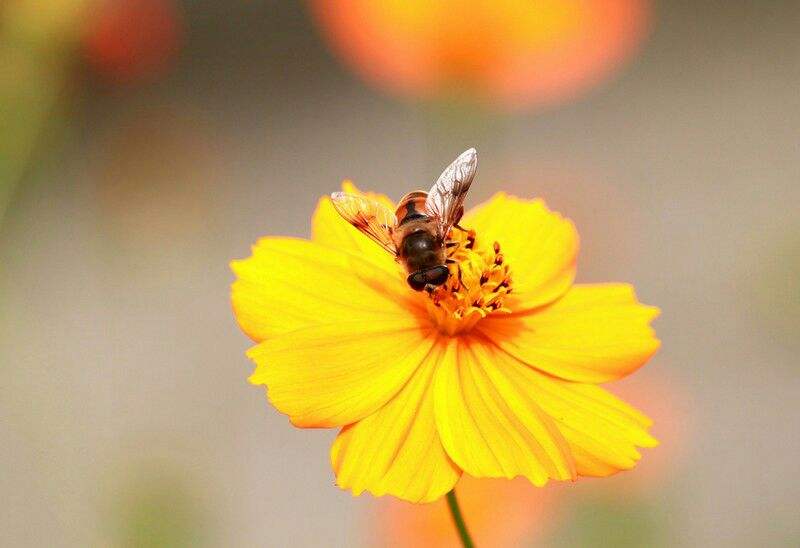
(372, 218)
(446, 199)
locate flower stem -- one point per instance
(458, 519)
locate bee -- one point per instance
(415, 232)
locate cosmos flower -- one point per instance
(509, 53)
(494, 374)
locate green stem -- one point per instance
(458, 519)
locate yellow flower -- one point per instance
(494, 374)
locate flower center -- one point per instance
(478, 283)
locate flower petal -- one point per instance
(601, 430)
(397, 450)
(289, 283)
(540, 246)
(490, 425)
(594, 333)
(336, 374)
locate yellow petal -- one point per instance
(602, 431)
(492, 426)
(594, 333)
(289, 283)
(329, 228)
(397, 450)
(540, 246)
(336, 374)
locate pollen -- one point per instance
(479, 281)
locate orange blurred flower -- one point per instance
(499, 513)
(668, 404)
(511, 53)
(130, 40)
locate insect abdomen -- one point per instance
(411, 207)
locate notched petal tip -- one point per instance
(649, 441)
(339, 389)
(290, 283)
(595, 333)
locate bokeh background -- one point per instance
(145, 143)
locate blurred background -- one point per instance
(145, 143)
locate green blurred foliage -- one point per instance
(37, 45)
(157, 508)
(606, 522)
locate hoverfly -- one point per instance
(415, 233)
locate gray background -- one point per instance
(122, 375)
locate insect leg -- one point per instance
(460, 279)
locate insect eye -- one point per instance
(437, 275)
(417, 281)
(430, 276)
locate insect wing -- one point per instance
(445, 200)
(370, 217)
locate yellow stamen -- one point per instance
(479, 281)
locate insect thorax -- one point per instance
(421, 248)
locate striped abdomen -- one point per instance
(411, 207)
